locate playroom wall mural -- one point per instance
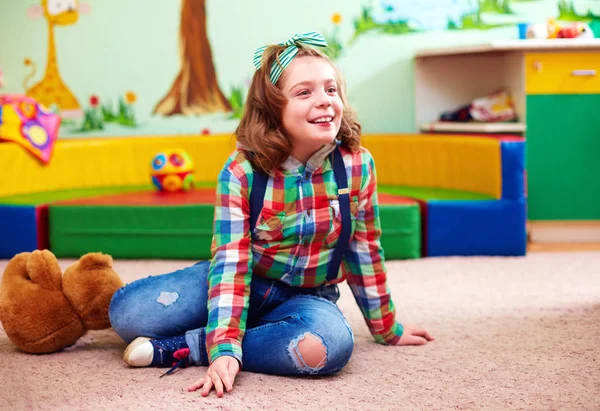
(51, 91)
(113, 68)
(195, 90)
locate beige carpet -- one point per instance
(512, 333)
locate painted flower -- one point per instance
(336, 18)
(27, 62)
(130, 97)
(205, 131)
(94, 101)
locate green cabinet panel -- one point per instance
(563, 157)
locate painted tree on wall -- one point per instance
(195, 89)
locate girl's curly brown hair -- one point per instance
(260, 128)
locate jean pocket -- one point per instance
(329, 292)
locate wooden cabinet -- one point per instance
(555, 85)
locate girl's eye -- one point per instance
(303, 93)
(331, 90)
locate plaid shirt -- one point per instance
(293, 241)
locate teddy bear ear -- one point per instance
(93, 261)
(43, 269)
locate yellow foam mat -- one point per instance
(81, 163)
(452, 162)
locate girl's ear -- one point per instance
(35, 12)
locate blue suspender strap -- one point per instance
(341, 179)
(257, 196)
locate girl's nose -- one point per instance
(323, 100)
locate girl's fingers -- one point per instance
(428, 336)
(218, 383)
(224, 375)
(197, 384)
(207, 385)
(422, 333)
(413, 340)
(420, 341)
(233, 370)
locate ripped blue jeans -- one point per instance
(279, 317)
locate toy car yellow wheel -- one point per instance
(172, 183)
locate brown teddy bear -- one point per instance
(43, 311)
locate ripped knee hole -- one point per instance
(308, 352)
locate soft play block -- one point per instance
(146, 224)
(454, 162)
(20, 213)
(47, 197)
(432, 193)
(22, 228)
(513, 169)
(400, 219)
(106, 162)
(138, 231)
(476, 228)
(400, 231)
(179, 225)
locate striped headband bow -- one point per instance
(311, 38)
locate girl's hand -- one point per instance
(414, 335)
(220, 374)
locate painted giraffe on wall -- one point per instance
(52, 90)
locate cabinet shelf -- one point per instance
(456, 127)
(557, 114)
(512, 45)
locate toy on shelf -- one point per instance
(172, 170)
(26, 122)
(495, 107)
(553, 29)
(575, 30)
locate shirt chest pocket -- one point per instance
(269, 227)
(334, 226)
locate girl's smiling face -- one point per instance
(312, 115)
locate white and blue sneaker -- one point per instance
(167, 352)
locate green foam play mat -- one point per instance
(150, 224)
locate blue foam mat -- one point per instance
(18, 230)
(513, 170)
(476, 228)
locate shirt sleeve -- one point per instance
(230, 270)
(364, 264)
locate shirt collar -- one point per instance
(314, 162)
(293, 165)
